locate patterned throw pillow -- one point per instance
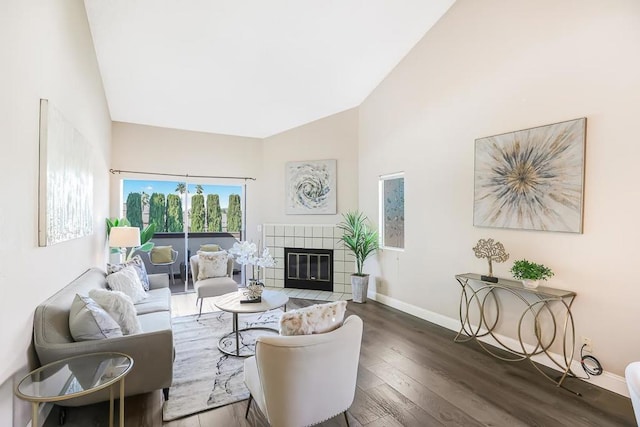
(136, 262)
(127, 281)
(212, 264)
(89, 321)
(120, 308)
(211, 247)
(315, 319)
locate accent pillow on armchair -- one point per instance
(315, 319)
(161, 254)
(212, 264)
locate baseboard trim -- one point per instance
(607, 380)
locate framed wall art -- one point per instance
(531, 179)
(311, 187)
(65, 208)
(392, 211)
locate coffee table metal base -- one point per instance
(244, 351)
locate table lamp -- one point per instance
(123, 238)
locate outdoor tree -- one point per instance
(157, 212)
(197, 213)
(174, 214)
(134, 209)
(181, 188)
(145, 200)
(199, 189)
(234, 214)
(214, 214)
(492, 251)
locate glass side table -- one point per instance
(74, 377)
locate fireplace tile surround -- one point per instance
(317, 236)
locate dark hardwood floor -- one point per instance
(411, 373)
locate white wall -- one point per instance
(496, 66)
(162, 150)
(46, 52)
(333, 137)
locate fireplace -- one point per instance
(308, 269)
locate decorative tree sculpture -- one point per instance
(492, 251)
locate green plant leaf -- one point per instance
(146, 247)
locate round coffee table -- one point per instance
(231, 304)
(74, 377)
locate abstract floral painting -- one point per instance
(531, 179)
(392, 195)
(311, 187)
(66, 179)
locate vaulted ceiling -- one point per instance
(249, 67)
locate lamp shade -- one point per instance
(124, 237)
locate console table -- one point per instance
(550, 304)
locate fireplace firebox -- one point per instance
(308, 269)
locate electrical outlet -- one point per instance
(587, 343)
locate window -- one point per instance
(172, 205)
(391, 188)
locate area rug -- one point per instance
(203, 377)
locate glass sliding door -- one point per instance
(186, 215)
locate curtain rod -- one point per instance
(115, 171)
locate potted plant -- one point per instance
(530, 273)
(362, 241)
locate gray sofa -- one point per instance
(152, 351)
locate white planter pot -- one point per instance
(359, 287)
(530, 283)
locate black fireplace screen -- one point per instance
(308, 269)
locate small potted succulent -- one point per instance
(530, 273)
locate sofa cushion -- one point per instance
(155, 322)
(315, 319)
(127, 281)
(89, 321)
(120, 308)
(138, 264)
(157, 300)
(212, 264)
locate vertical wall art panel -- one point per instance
(66, 180)
(311, 187)
(392, 210)
(532, 179)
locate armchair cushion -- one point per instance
(161, 255)
(138, 264)
(89, 321)
(212, 264)
(315, 319)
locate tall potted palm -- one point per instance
(362, 241)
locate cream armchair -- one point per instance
(212, 287)
(305, 379)
(632, 375)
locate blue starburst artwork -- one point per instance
(531, 179)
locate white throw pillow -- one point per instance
(136, 262)
(127, 281)
(119, 306)
(89, 321)
(315, 319)
(212, 264)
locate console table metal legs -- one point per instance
(548, 304)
